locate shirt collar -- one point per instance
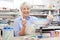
(26, 18)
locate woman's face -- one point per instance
(25, 11)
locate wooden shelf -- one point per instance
(43, 9)
(52, 27)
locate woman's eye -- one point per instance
(27, 8)
(24, 8)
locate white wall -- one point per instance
(16, 3)
(6, 4)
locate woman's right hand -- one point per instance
(22, 32)
(24, 22)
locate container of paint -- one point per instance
(8, 33)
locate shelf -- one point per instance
(52, 27)
(2, 26)
(8, 13)
(43, 9)
(39, 14)
(9, 10)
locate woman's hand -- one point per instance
(22, 32)
(49, 16)
(24, 22)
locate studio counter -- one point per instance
(21, 38)
(48, 38)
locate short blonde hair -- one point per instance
(25, 4)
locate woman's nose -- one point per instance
(26, 10)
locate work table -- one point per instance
(51, 38)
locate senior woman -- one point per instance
(20, 22)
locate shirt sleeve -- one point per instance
(17, 28)
(41, 21)
(47, 22)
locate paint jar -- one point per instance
(57, 32)
(8, 33)
(52, 33)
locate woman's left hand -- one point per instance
(49, 16)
